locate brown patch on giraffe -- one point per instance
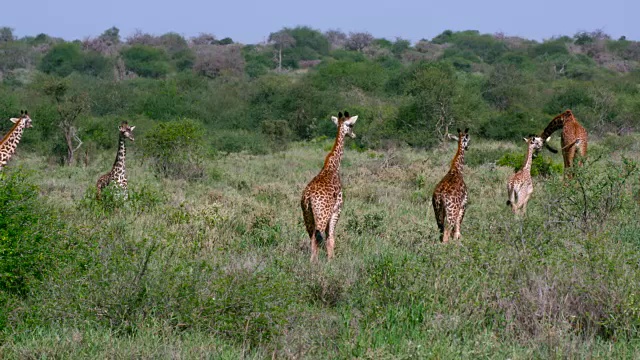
(450, 196)
(118, 172)
(321, 201)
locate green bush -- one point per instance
(33, 242)
(540, 166)
(61, 60)
(146, 61)
(176, 148)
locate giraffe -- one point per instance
(573, 137)
(450, 196)
(10, 141)
(322, 198)
(520, 185)
(118, 171)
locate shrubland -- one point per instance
(208, 256)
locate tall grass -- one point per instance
(219, 266)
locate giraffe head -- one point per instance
(126, 130)
(462, 138)
(345, 123)
(24, 117)
(535, 142)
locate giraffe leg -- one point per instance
(314, 247)
(456, 228)
(333, 221)
(445, 235)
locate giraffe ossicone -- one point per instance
(322, 201)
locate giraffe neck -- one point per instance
(120, 156)
(458, 160)
(557, 123)
(10, 141)
(528, 160)
(332, 161)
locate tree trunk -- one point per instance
(69, 139)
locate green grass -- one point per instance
(219, 267)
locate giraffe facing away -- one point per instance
(322, 198)
(118, 172)
(573, 137)
(450, 196)
(10, 141)
(520, 185)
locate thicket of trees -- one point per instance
(258, 97)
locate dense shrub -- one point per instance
(176, 148)
(146, 61)
(33, 242)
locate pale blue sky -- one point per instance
(251, 21)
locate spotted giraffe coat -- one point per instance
(11, 139)
(118, 173)
(573, 137)
(322, 200)
(450, 196)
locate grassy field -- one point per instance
(219, 267)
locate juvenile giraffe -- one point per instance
(118, 171)
(573, 137)
(450, 195)
(322, 199)
(520, 185)
(10, 141)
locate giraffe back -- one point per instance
(450, 195)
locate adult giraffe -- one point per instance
(9, 142)
(450, 196)
(573, 137)
(322, 199)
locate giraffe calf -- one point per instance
(520, 184)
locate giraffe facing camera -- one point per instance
(322, 198)
(118, 172)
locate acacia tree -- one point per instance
(435, 88)
(214, 60)
(359, 40)
(6, 34)
(282, 40)
(336, 38)
(69, 108)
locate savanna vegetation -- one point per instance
(208, 257)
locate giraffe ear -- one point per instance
(133, 127)
(14, 120)
(549, 138)
(352, 120)
(334, 119)
(525, 139)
